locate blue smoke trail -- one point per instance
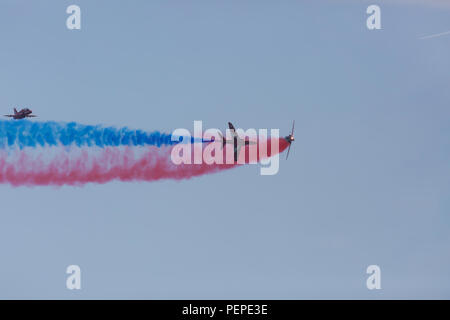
(24, 133)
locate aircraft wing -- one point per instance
(237, 150)
(31, 116)
(9, 115)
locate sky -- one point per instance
(366, 182)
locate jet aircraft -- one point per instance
(24, 113)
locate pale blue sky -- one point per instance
(367, 181)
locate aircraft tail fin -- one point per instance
(15, 111)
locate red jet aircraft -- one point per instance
(24, 113)
(238, 142)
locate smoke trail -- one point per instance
(435, 35)
(78, 166)
(26, 133)
(81, 166)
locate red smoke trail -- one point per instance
(78, 166)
